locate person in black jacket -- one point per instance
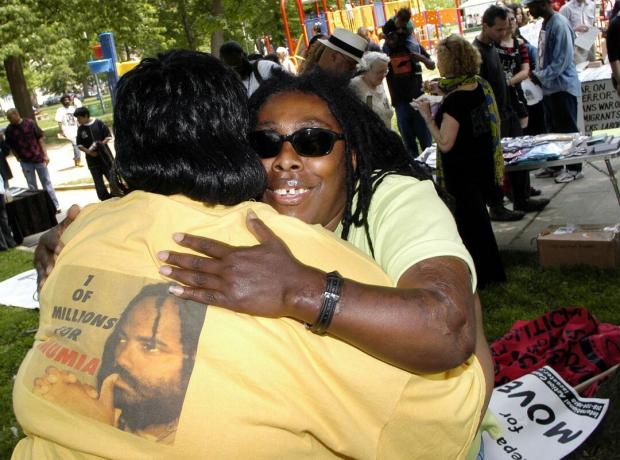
(92, 139)
(5, 169)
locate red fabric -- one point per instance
(525, 56)
(557, 4)
(570, 340)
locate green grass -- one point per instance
(16, 339)
(530, 291)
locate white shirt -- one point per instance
(375, 98)
(288, 65)
(264, 68)
(579, 14)
(68, 123)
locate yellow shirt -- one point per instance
(408, 223)
(259, 388)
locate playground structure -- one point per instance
(430, 24)
(106, 62)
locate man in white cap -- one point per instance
(343, 51)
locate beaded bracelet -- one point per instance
(331, 296)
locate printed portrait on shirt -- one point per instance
(136, 378)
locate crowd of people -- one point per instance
(26, 141)
(214, 308)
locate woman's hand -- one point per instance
(50, 246)
(263, 280)
(423, 106)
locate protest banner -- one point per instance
(601, 105)
(542, 417)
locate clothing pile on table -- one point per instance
(518, 150)
(543, 147)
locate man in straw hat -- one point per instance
(343, 51)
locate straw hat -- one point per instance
(347, 43)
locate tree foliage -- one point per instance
(54, 38)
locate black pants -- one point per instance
(536, 120)
(98, 172)
(474, 226)
(6, 236)
(561, 115)
(520, 183)
(519, 180)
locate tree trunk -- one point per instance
(18, 85)
(187, 27)
(85, 88)
(217, 36)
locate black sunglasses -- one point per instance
(307, 142)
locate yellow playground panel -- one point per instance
(429, 24)
(392, 7)
(124, 67)
(363, 15)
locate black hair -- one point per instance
(514, 7)
(180, 124)
(378, 150)
(81, 112)
(404, 14)
(231, 47)
(271, 57)
(65, 96)
(492, 13)
(615, 9)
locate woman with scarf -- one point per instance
(470, 162)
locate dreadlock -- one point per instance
(378, 151)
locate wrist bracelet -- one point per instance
(331, 296)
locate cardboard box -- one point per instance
(569, 245)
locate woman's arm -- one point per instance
(444, 136)
(524, 71)
(50, 245)
(425, 324)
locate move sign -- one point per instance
(542, 417)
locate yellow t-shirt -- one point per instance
(238, 386)
(408, 223)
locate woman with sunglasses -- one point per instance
(331, 161)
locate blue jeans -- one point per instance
(481, 452)
(412, 127)
(77, 154)
(44, 177)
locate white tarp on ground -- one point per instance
(542, 417)
(20, 291)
